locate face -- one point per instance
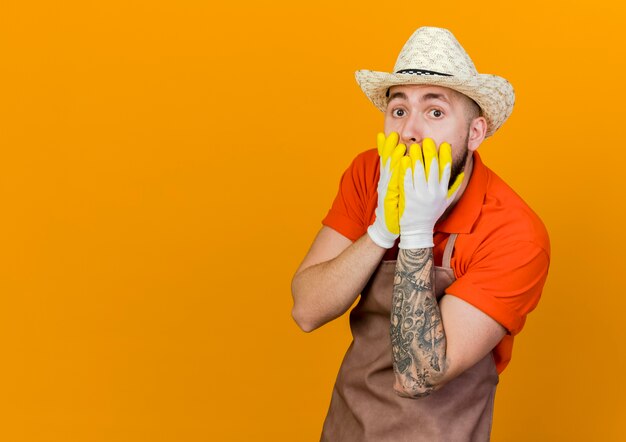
(416, 112)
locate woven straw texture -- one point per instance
(437, 50)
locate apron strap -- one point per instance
(447, 252)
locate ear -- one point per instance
(476, 133)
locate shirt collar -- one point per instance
(467, 209)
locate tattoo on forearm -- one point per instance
(417, 336)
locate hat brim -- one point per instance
(493, 94)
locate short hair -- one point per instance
(471, 109)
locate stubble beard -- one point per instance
(459, 165)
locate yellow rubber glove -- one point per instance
(386, 227)
(424, 193)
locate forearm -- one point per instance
(417, 335)
(326, 290)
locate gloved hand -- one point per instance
(424, 194)
(386, 228)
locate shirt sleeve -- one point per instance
(350, 211)
(505, 283)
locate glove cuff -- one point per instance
(416, 241)
(381, 237)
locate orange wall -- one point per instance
(165, 165)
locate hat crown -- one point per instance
(437, 50)
(432, 56)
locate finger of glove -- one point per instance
(398, 153)
(430, 152)
(392, 202)
(433, 177)
(390, 143)
(444, 178)
(419, 178)
(445, 157)
(417, 166)
(431, 161)
(415, 153)
(380, 143)
(445, 166)
(404, 173)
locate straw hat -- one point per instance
(433, 56)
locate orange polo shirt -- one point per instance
(501, 255)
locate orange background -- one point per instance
(165, 166)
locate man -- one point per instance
(438, 311)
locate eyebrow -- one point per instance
(426, 97)
(401, 95)
(433, 96)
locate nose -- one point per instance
(412, 130)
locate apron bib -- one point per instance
(364, 406)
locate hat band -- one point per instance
(421, 72)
